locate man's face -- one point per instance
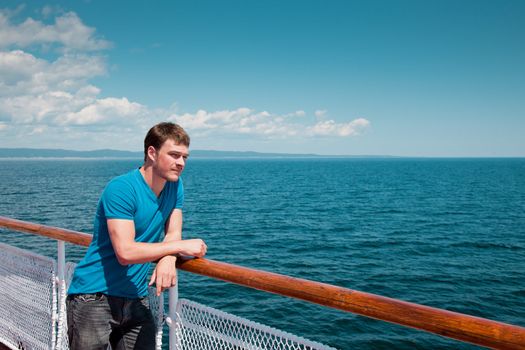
(170, 160)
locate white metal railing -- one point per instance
(191, 325)
(28, 299)
(61, 326)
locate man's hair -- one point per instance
(161, 132)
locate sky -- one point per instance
(441, 78)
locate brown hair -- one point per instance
(161, 132)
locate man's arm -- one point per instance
(122, 235)
(165, 274)
(173, 227)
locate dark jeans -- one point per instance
(96, 320)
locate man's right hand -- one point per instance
(193, 247)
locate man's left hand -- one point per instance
(165, 274)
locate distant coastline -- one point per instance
(50, 153)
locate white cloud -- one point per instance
(42, 98)
(248, 122)
(320, 114)
(299, 113)
(35, 90)
(331, 128)
(103, 111)
(67, 31)
(40, 129)
(22, 73)
(49, 10)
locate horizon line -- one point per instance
(255, 154)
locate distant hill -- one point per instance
(245, 154)
(64, 153)
(109, 153)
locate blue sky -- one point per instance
(407, 78)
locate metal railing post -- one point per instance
(61, 262)
(61, 286)
(173, 295)
(160, 321)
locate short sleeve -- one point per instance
(180, 195)
(118, 201)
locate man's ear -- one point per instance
(152, 153)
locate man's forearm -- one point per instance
(138, 252)
(173, 228)
(128, 251)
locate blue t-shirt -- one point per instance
(125, 197)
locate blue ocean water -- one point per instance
(448, 233)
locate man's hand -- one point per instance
(193, 247)
(165, 274)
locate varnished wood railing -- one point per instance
(449, 324)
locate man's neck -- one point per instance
(154, 182)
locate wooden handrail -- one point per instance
(476, 330)
(62, 234)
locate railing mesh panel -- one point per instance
(200, 327)
(33, 313)
(27, 299)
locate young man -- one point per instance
(107, 300)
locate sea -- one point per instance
(447, 233)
